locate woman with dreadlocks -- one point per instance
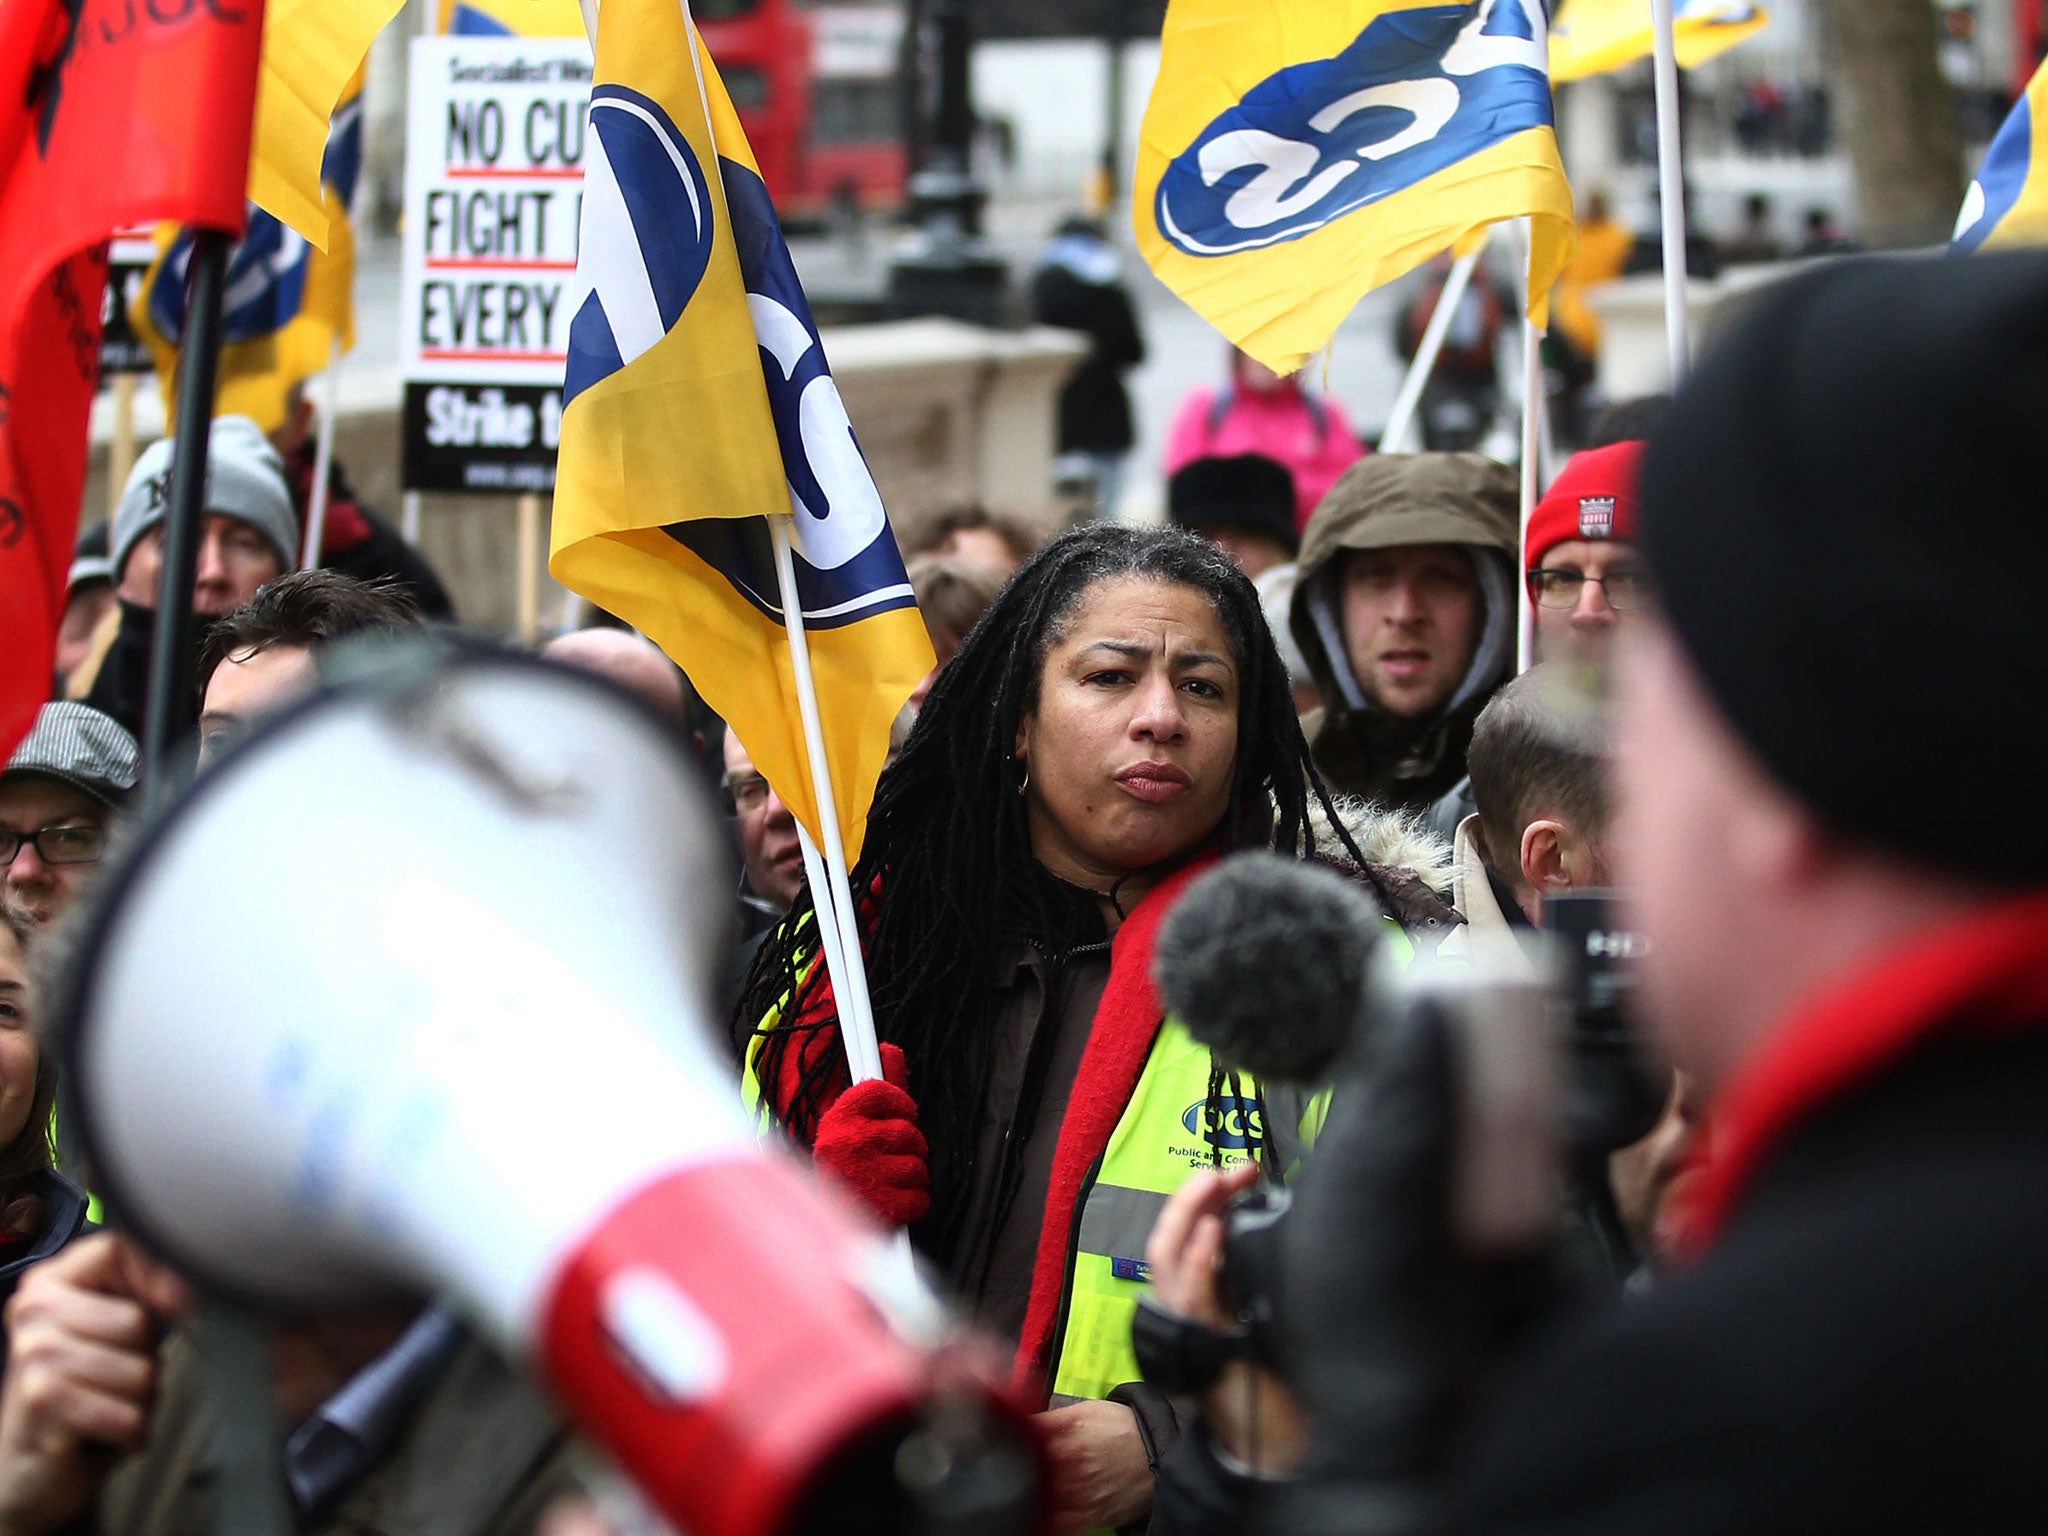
(1117, 720)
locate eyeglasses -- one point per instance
(55, 845)
(1625, 591)
(745, 794)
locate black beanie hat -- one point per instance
(1249, 491)
(1846, 513)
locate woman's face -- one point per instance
(18, 1054)
(1131, 747)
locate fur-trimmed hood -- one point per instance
(1408, 866)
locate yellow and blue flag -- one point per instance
(1297, 154)
(2008, 202)
(285, 304)
(512, 18)
(313, 53)
(1591, 37)
(697, 402)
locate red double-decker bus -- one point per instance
(816, 86)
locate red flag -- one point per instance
(112, 112)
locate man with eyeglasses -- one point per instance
(1585, 577)
(66, 780)
(771, 858)
(767, 834)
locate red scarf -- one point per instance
(1119, 1042)
(1982, 977)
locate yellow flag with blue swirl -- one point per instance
(696, 403)
(1591, 37)
(287, 305)
(313, 53)
(512, 18)
(2007, 203)
(1297, 154)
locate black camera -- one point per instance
(1252, 1266)
(1616, 1092)
(1177, 1354)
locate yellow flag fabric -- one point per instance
(286, 305)
(697, 402)
(2007, 203)
(311, 50)
(512, 18)
(1591, 37)
(1297, 154)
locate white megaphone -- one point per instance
(407, 995)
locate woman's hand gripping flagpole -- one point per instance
(832, 895)
(827, 872)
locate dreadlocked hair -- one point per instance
(947, 872)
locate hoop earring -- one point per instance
(1024, 783)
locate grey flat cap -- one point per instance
(80, 746)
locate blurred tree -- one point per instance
(1898, 119)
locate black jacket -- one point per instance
(64, 1210)
(120, 686)
(1095, 411)
(1865, 1349)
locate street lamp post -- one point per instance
(948, 268)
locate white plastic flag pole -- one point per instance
(1532, 458)
(1532, 450)
(832, 896)
(1671, 188)
(1409, 401)
(849, 978)
(323, 458)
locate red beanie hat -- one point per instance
(1594, 499)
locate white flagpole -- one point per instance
(831, 896)
(1532, 455)
(1402, 417)
(849, 977)
(409, 503)
(323, 457)
(1671, 188)
(831, 887)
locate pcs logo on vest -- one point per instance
(1418, 91)
(1230, 1124)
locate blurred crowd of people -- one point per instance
(1754, 659)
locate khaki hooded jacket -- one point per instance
(1389, 501)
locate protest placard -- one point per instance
(493, 201)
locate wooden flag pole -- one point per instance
(121, 451)
(528, 537)
(1671, 188)
(1394, 439)
(323, 459)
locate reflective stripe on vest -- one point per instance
(1166, 1132)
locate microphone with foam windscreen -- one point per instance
(1264, 961)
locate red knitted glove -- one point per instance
(869, 1140)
